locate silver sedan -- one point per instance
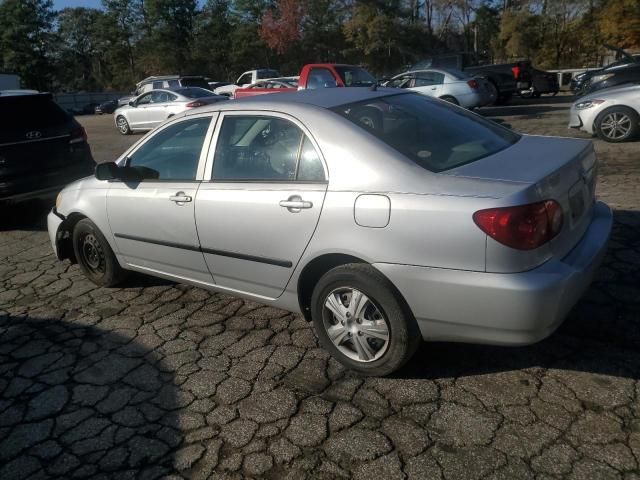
(612, 114)
(150, 109)
(385, 217)
(451, 85)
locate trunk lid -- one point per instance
(559, 169)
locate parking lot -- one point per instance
(158, 378)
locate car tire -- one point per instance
(617, 124)
(450, 99)
(123, 125)
(376, 339)
(503, 98)
(94, 255)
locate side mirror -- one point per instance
(132, 103)
(107, 171)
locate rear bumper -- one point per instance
(502, 309)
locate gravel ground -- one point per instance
(157, 378)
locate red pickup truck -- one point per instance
(313, 76)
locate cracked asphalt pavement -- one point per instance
(158, 379)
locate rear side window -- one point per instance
(355, 76)
(262, 148)
(31, 112)
(425, 79)
(433, 134)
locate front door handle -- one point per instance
(295, 203)
(180, 198)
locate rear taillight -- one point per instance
(78, 135)
(523, 227)
(473, 83)
(197, 103)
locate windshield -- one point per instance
(195, 92)
(432, 133)
(194, 82)
(355, 76)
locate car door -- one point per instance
(153, 220)
(138, 114)
(261, 206)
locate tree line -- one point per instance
(111, 48)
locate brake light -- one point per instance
(197, 103)
(523, 227)
(473, 83)
(78, 135)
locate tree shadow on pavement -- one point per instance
(77, 400)
(601, 335)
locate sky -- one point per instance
(60, 4)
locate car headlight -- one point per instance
(588, 104)
(58, 200)
(600, 78)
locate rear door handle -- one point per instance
(295, 203)
(180, 197)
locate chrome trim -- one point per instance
(34, 141)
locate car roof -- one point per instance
(324, 98)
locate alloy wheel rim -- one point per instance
(616, 125)
(93, 254)
(122, 123)
(355, 325)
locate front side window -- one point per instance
(173, 153)
(144, 99)
(245, 79)
(432, 134)
(426, 79)
(400, 82)
(158, 84)
(261, 148)
(161, 97)
(320, 78)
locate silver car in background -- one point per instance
(429, 223)
(451, 85)
(612, 114)
(150, 109)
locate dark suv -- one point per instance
(42, 148)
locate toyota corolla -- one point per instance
(385, 217)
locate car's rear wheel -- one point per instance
(123, 125)
(94, 255)
(617, 124)
(450, 99)
(362, 321)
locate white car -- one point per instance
(150, 109)
(448, 84)
(612, 114)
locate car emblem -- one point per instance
(33, 135)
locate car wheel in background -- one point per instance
(94, 255)
(450, 99)
(617, 124)
(123, 125)
(503, 98)
(362, 320)
(369, 117)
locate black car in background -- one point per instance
(580, 81)
(42, 147)
(613, 77)
(106, 107)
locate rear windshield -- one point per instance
(432, 133)
(31, 111)
(194, 92)
(194, 82)
(267, 74)
(355, 76)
